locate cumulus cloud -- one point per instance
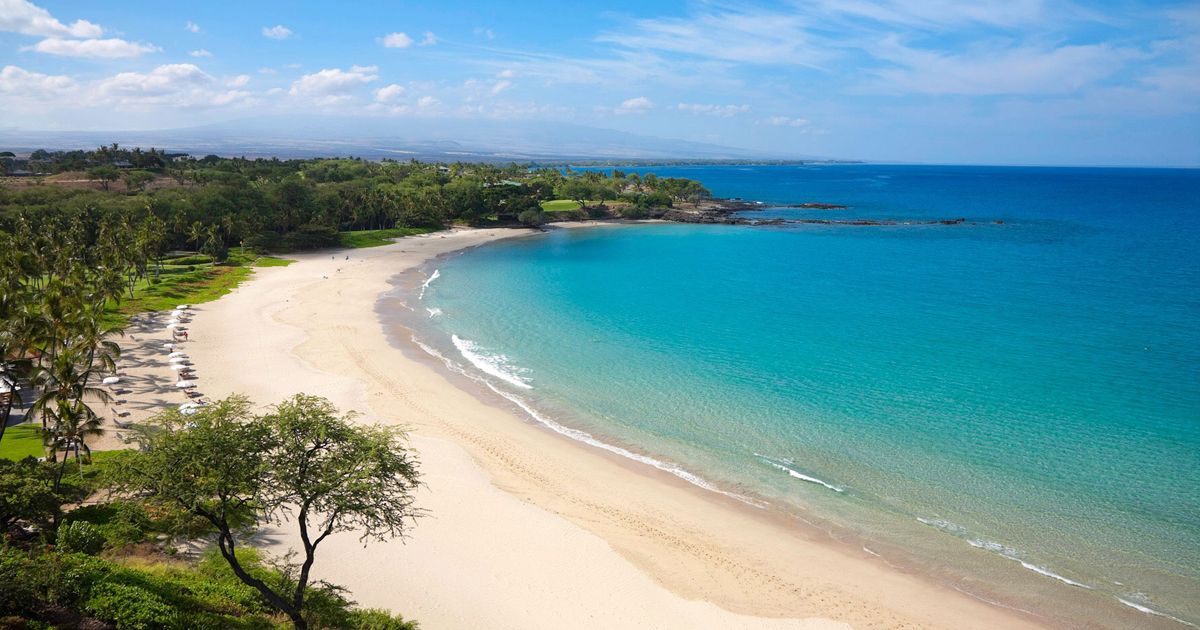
(430, 39)
(783, 121)
(427, 102)
(277, 32)
(18, 82)
(389, 94)
(195, 28)
(200, 53)
(507, 74)
(638, 105)
(105, 48)
(238, 81)
(334, 85)
(500, 86)
(20, 16)
(724, 111)
(395, 40)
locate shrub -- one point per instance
(131, 608)
(532, 218)
(80, 537)
(633, 212)
(264, 242)
(378, 619)
(597, 212)
(191, 267)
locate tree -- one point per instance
(73, 423)
(301, 462)
(576, 189)
(532, 218)
(137, 180)
(26, 494)
(103, 174)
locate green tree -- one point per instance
(301, 461)
(103, 174)
(137, 180)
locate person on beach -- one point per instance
(185, 335)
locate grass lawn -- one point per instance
(375, 238)
(559, 205)
(177, 285)
(267, 261)
(22, 441)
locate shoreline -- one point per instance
(694, 562)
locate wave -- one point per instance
(576, 434)
(1151, 611)
(425, 285)
(784, 465)
(495, 365)
(999, 549)
(434, 312)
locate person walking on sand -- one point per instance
(185, 335)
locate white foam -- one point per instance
(797, 474)
(1151, 611)
(432, 277)
(1002, 550)
(434, 312)
(587, 438)
(495, 365)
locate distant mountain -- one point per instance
(375, 138)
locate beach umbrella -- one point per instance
(185, 384)
(182, 306)
(172, 325)
(177, 354)
(176, 359)
(179, 366)
(173, 321)
(111, 380)
(170, 346)
(189, 411)
(189, 405)
(177, 313)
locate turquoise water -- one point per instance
(1011, 408)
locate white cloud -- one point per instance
(426, 102)
(17, 82)
(638, 105)
(293, 66)
(20, 16)
(430, 39)
(106, 48)
(989, 70)
(268, 71)
(277, 32)
(200, 53)
(486, 32)
(332, 86)
(238, 81)
(395, 40)
(388, 94)
(507, 74)
(724, 111)
(195, 28)
(501, 85)
(783, 121)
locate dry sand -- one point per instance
(527, 529)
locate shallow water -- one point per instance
(1013, 408)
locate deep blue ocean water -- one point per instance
(1013, 408)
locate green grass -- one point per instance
(177, 285)
(22, 441)
(267, 261)
(559, 205)
(375, 238)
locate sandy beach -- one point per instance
(526, 529)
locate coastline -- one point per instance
(528, 528)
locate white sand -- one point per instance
(527, 529)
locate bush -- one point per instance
(80, 537)
(532, 218)
(264, 242)
(311, 237)
(379, 619)
(597, 212)
(191, 267)
(131, 608)
(633, 212)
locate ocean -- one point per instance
(1010, 406)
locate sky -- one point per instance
(935, 81)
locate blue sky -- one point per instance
(991, 81)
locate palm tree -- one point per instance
(74, 422)
(64, 381)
